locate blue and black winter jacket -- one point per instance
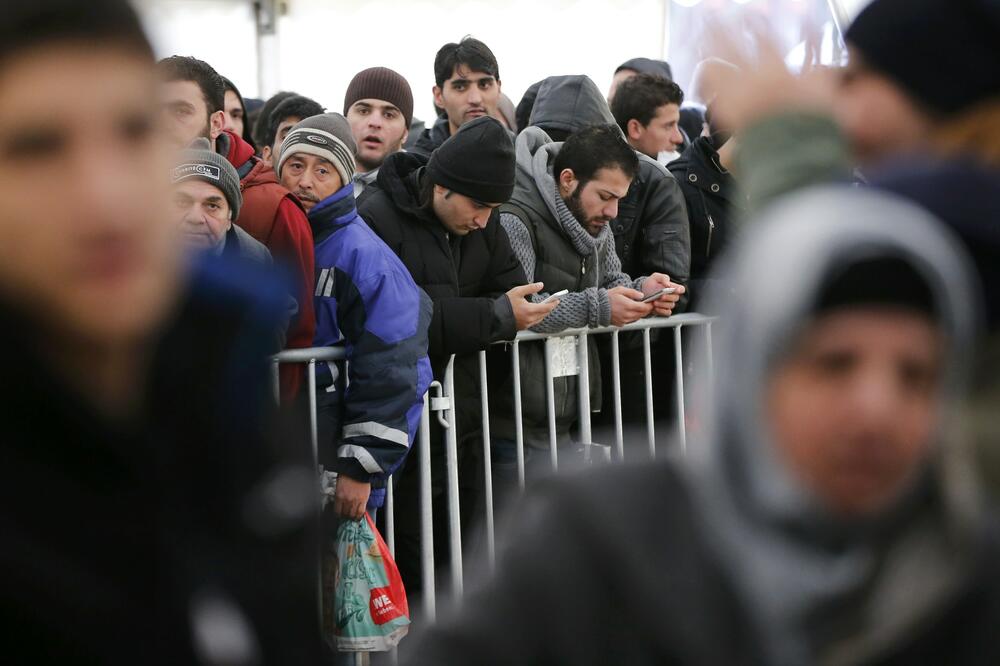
(366, 301)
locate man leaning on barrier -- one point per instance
(439, 216)
(557, 220)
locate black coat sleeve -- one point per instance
(666, 238)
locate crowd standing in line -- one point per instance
(842, 223)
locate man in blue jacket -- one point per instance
(366, 301)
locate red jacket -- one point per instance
(273, 216)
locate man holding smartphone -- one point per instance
(565, 194)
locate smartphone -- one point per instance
(555, 295)
(656, 295)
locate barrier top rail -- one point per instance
(673, 321)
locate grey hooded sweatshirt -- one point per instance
(651, 231)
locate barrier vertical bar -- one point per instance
(487, 462)
(451, 458)
(426, 511)
(314, 436)
(583, 383)
(709, 355)
(647, 360)
(276, 378)
(616, 374)
(390, 518)
(518, 423)
(679, 373)
(550, 399)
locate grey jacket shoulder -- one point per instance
(250, 248)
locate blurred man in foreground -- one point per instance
(147, 516)
(826, 515)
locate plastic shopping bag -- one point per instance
(370, 613)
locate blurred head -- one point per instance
(878, 117)
(854, 404)
(286, 115)
(630, 68)
(711, 76)
(648, 110)
(95, 260)
(468, 81)
(379, 107)
(192, 100)
(469, 175)
(317, 158)
(594, 170)
(236, 112)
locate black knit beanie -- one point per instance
(384, 84)
(881, 282)
(476, 161)
(648, 66)
(944, 53)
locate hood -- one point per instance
(399, 177)
(792, 559)
(236, 150)
(569, 104)
(648, 66)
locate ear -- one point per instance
(406, 135)
(216, 123)
(438, 98)
(567, 182)
(265, 153)
(635, 129)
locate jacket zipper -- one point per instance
(711, 228)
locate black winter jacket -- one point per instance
(123, 543)
(465, 276)
(614, 567)
(714, 203)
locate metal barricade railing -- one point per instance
(441, 399)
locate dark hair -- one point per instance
(640, 96)
(230, 86)
(186, 68)
(594, 148)
(469, 52)
(264, 115)
(33, 23)
(296, 106)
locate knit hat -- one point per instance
(384, 84)
(328, 136)
(882, 281)
(476, 161)
(200, 163)
(648, 66)
(944, 53)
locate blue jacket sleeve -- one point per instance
(384, 318)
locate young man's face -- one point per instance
(460, 214)
(234, 114)
(185, 115)
(853, 409)
(879, 118)
(270, 153)
(310, 178)
(203, 212)
(594, 203)
(87, 244)
(662, 134)
(467, 95)
(379, 130)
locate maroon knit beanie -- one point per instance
(384, 84)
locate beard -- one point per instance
(593, 225)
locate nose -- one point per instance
(375, 120)
(479, 221)
(475, 96)
(676, 137)
(305, 182)
(611, 210)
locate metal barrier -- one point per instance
(441, 401)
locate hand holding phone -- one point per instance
(552, 297)
(657, 294)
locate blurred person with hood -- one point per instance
(365, 301)
(151, 511)
(467, 86)
(193, 102)
(379, 106)
(826, 512)
(440, 217)
(565, 195)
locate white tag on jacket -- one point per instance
(562, 357)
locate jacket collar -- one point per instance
(334, 211)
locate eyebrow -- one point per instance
(463, 79)
(213, 199)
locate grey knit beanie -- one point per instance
(200, 163)
(328, 136)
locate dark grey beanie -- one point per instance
(200, 163)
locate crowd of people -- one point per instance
(162, 238)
